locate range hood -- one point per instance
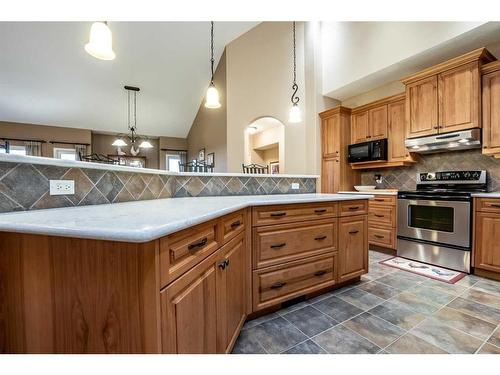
(461, 140)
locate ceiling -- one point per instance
(47, 78)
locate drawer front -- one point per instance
(232, 225)
(180, 251)
(382, 216)
(274, 285)
(349, 208)
(386, 200)
(277, 214)
(488, 205)
(283, 243)
(382, 237)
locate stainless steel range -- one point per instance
(435, 221)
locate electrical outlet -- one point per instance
(295, 186)
(62, 187)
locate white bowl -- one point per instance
(365, 187)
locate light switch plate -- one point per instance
(295, 186)
(62, 187)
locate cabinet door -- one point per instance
(359, 127)
(231, 293)
(377, 121)
(459, 98)
(491, 113)
(353, 247)
(330, 128)
(189, 311)
(487, 251)
(397, 131)
(422, 107)
(330, 175)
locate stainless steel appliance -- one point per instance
(367, 151)
(435, 221)
(454, 141)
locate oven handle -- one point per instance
(434, 198)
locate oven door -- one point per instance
(439, 221)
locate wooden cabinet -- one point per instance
(397, 150)
(491, 108)
(382, 221)
(336, 173)
(369, 123)
(446, 97)
(353, 247)
(486, 252)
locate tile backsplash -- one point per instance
(25, 186)
(405, 178)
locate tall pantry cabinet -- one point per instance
(336, 173)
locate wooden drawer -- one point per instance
(384, 237)
(378, 215)
(287, 213)
(276, 284)
(283, 243)
(386, 200)
(180, 251)
(488, 204)
(349, 208)
(231, 225)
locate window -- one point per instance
(173, 163)
(14, 150)
(65, 153)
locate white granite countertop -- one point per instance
(143, 221)
(493, 194)
(377, 192)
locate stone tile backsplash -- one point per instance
(26, 186)
(405, 178)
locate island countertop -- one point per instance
(143, 221)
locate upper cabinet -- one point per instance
(397, 131)
(491, 108)
(446, 97)
(369, 123)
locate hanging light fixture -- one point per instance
(132, 135)
(295, 115)
(212, 96)
(100, 43)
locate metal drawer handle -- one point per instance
(224, 264)
(378, 236)
(495, 205)
(236, 224)
(278, 285)
(353, 231)
(353, 207)
(319, 238)
(277, 214)
(198, 245)
(320, 273)
(379, 199)
(377, 215)
(319, 211)
(278, 246)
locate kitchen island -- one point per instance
(169, 275)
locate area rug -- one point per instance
(423, 269)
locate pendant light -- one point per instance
(212, 96)
(295, 115)
(100, 43)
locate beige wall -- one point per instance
(209, 126)
(384, 91)
(266, 146)
(259, 80)
(45, 133)
(101, 144)
(170, 143)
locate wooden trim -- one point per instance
(490, 67)
(379, 102)
(335, 111)
(479, 54)
(23, 140)
(383, 164)
(487, 274)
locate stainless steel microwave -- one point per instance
(368, 151)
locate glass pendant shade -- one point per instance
(212, 97)
(295, 115)
(100, 43)
(146, 144)
(119, 143)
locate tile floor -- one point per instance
(388, 311)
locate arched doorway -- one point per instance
(265, 143)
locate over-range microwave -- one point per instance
(368, 151)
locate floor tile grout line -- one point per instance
(306, 335)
